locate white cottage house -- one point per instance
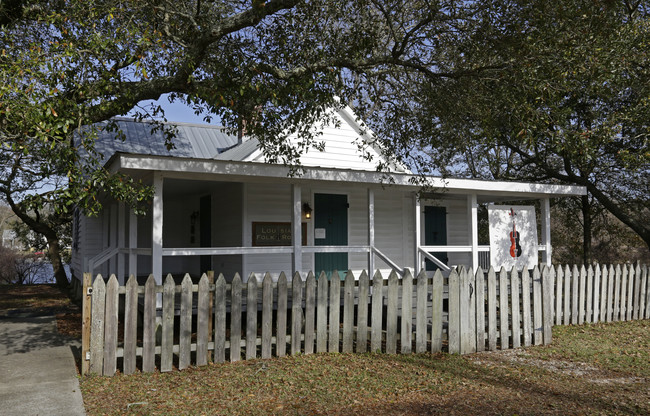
(218, 206)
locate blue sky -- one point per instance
(177, 111)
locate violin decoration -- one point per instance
(515, 247)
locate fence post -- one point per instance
(85, 323)
(251, 317)
(97, 330)
(526, 319)
(589, 316)
(391, 313)
(566, 317)
(149, 326)
(645, 294)
(377, 314)
(492, 309)
(436, 311)
(167, 342)
(547, 303)
(348, 313)
(406, 332)
(582, 296)
(210, 275)
(453, 329)
(617, 293)
(503, 308)
(110, 326)
(267, 315)
(321, 313)
(362, 314)
(596, 302)
(310, 312)
(185, 334)
(480, 309)
(335, 312)
(421, 314)
(220, 296)
(296, 315)
(235, 317)
(130, 325)
(538, 323)
(559, 284)
(203, 319)
(637, 291)
(514, 300)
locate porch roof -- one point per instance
(234, 171)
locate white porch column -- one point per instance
(157, 228)
(546, 230)
(113, 239)
(121, 242)
(371, 232)
(418, 238)
(296, 227)
(472, 211)
(133, 243)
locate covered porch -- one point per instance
(239, 217)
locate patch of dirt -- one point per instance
(519, 357)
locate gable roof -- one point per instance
(348, 145)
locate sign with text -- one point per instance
(275, 234)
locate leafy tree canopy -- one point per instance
(272, 66)
(569, 103)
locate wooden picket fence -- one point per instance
(261, 318)
(600, 294)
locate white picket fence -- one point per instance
(262, 318)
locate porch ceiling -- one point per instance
(228, 171)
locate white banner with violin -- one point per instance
(513, 236)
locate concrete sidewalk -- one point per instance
(37, 368)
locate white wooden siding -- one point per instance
(390, 225)
(341, 150)
(458, 230)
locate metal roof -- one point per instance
(190, 141)
(241, 152)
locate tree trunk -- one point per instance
(586, 235)
(54, 254)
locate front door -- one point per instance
(331, 229)
(435, 233)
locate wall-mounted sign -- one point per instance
(513, 236)
(319, 233)
(275, 234)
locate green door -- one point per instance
(435, 233)
(331, 229)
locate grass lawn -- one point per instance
(589, 369)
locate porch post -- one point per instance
(473, 228)
(133, 243)
(121, 239)
(546, 230)
(296, 228)
(371, 231)
(157, 228)
(113, 231)
(418, 240)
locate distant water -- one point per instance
(45, 273)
